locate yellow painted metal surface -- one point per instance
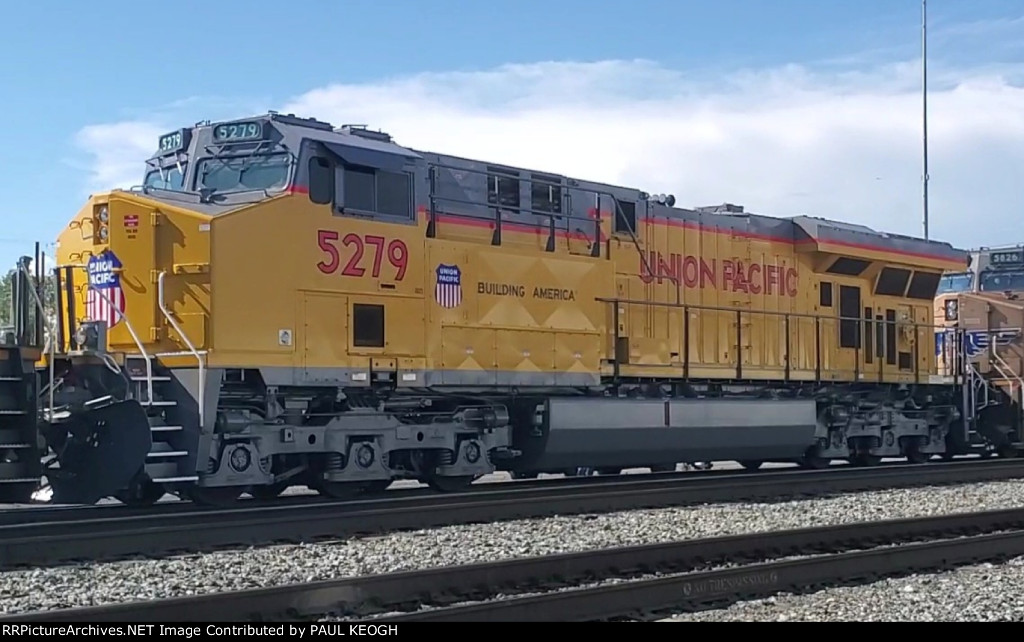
(276, 284)
(146, 238)
(992, 324)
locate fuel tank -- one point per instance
(624, 433)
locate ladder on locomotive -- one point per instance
(20, 454)
(170, 453)
(21, 346)
(169, 456)
(1008, 388)
(983, 391)
(149, 382)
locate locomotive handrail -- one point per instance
(526, 210)
(862, 337)
(138, 343)
(807, 315)
(566, 197)
(1005, 370)
(131, 331)
(201, 397)
(469, 170)
(50, 340)
(498, 207)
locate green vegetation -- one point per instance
(6, 288)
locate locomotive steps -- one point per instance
(686, 575)
(163, 533)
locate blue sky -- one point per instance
(783, 105)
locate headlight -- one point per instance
(87, 336)
(81, 336)
(104, 233)
(952, 309)
(103, 215)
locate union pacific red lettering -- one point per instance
(755, 277)
(736, 276)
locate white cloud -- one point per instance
(783, 141)
(118, 151)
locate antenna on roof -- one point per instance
(924, 105)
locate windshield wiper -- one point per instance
(206, 194)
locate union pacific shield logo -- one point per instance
(105, 299)
(448, 291)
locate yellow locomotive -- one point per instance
(983, 306)
(283, 302)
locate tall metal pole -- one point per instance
(924, 104)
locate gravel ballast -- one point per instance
(982, 593)
(102, 583)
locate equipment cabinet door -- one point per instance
(324, 339)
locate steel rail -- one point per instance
(37, 513)
(375, 594)
(720, 587)
(41, 512)
(41, 543)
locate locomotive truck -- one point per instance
(284, 302)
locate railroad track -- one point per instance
(34, 513)
(42, 543)
(684, 575)
(31, 513)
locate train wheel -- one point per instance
(377, 486)
(215, 495)
(143, 492)
(339, 490)
(580, 471)
(268, 491)
(17, 493)
(1006, 451)
(865, 460)
(915, 456)
(450, 484)
(813, 461)
(751, 464)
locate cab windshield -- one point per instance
(242, 173)
(1002, 281)
(169, 178)
(955, 283)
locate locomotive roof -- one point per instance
(359, 145)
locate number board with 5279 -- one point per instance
(231, 132)
(174, 142)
